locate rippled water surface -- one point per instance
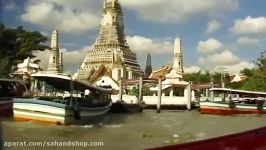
(133, 131)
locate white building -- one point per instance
(175, 91)
(27, 67)
(177, 64)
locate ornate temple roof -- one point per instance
(99, 73)
(27, 63)
(160, 73)
(110, 48)
(27, 67)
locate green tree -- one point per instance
(198, 77)
(248, 72)
(135, 91)
(16, 45)
(255, 82)
(258, 75)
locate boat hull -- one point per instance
(53, 113)
(122, 107)
(223, 108)
(88, 112)
(6, 107)
(43, 111)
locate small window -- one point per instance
(178, 91)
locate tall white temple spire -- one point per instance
(177, 46)
(55, 64)
(54, 40)
(178, 56)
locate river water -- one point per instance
(133, 131)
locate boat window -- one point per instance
(7, 90)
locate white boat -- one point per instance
(246, 102)
(53, 107)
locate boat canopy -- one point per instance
(63, 82)
(234, 91)
(6, 80)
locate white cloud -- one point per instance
(250, 25)
(217, 58)
(233, 69)
(247, 41)
(81, 15)
(201, 60)
(209, 46)
(71, 59)
(213, 26)
(191, 69)
(236, 68)
(142, 44)
(64, 16)
(84, 5)
(224, 58)
(179, 10)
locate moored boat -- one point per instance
(231, 101)
(9, 88)
(123, 107)
(72, 102)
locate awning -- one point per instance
(63, 82)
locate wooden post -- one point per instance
(207, 93)
(222, 79)
(120, 90)
(212, 96)
(43, 88)
(159, 95)
(35, 87)
(32, 88)
(189, 96)
(140, 90)
(71, 90)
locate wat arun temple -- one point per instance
(110, 54)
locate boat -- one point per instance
(254, 139)
(232, 101)
(9, 88)
(123, 107)
(58, 99)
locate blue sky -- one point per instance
(216, 34)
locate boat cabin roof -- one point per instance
(63, 82)
(5, 80)
(234, 91)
